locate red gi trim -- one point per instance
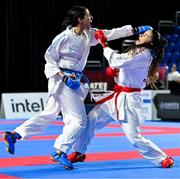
(117, 90)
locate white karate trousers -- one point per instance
(101, 115)
(71, 104)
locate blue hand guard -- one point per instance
(142, 29)
(71, 83)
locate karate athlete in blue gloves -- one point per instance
(65, 61)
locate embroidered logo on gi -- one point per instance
(71, 48)
(139, 50)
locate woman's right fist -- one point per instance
(100, 36)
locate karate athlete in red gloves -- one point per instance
(137, 65)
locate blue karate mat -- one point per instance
(31, 159)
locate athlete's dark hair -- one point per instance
(157, 47)
(72, 16)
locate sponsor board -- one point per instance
(22, 105)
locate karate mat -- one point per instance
(110, 155)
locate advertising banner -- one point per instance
(22, 105)
(168, 106)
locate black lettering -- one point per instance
(27, 105)
(20, 104)
(35, 107)
(13, 109)
(42, 105)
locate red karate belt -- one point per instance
(117, 90)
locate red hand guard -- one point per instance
(100, 36)
(111, 72)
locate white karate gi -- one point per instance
(67, 51)
(133, 71)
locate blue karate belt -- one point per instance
(80, 75)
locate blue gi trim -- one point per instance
(79, 75)
(146, 101)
